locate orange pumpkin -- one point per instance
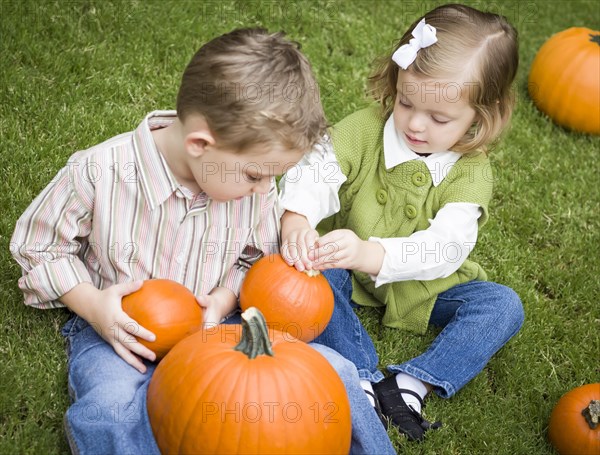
(564, 80)
(574, 423)
(245, 388)
(299, 303)
(166, 308)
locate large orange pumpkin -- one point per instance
(166, 308)
(564, 80)
(574, 423)
(299, 303)
(246, 389)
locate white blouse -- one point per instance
(311, 189)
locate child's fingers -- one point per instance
(202, 301)
(333, 247)
(140, 331)
(129, 357)
(299, 265)
(140, 350)
(124, 289)
(310, 239)
(290, 252)
(128, 334)
(326, 266)
(130, 326)
(296, 254)
(211, 318)
(332, 237)
(326, 247)
(325, 254)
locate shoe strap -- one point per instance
(371, 394)
(414, 394)
(425, 424)
(377, 408)
(375, 400)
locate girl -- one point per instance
(414, 193)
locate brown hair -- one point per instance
(253, 87)
(480, 47)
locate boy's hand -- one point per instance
(297, 240)
(102, 310)
(216, 305)
(343, 249)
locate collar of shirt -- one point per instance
(153, 173)
(395, 152)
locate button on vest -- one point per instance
(419, 179)
(410, 211)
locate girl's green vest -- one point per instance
(397, 202)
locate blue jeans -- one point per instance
(108, 414)
(477, 318)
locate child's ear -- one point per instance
(195, 143)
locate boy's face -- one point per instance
(430, 115)
(225, 175)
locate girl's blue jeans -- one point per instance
(108, 414)
(477, 318)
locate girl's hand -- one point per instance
(298, 239)
(343, 249)
(216, 305)
(105, 315)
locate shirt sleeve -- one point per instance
(263, 241)
(435, 252)
(311, 187)
(47, 239)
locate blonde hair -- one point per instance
(253, 88)
(479, 47)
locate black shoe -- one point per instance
(403, 416)
(377, 408)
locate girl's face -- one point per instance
(431, 115)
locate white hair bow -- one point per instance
(424, 36)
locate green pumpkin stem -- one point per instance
(592, 414)
(255, 335)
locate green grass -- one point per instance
(74, 73)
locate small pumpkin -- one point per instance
(299, 303)
(574, 427)
(564, 80)
(233, 389)
(166, 308)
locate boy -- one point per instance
(188, 195)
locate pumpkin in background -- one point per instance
(166, 308)
(299, 303)
(246, 388)
(574, 423)
(564, 80)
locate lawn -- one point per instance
(74, 73)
